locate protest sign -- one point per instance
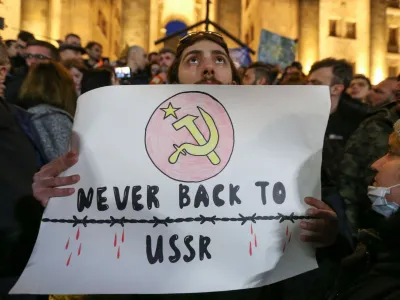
(184, 189)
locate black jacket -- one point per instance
(341, 124)
(372, 272)
(19, 212)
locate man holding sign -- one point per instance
(201, 58)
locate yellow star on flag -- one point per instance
(170, 111)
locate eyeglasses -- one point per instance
(37, 56)
(200, 33)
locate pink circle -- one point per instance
(161, 136)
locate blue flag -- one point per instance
(276, 49)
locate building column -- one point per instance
(55, 20)
(35, 18)
(308, 47)
(135, 23)
(378, 41)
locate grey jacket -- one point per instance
(54, 127)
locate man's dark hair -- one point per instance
(26, 36)
(72, 35)
(55, 54)
(341, 69)
(167, 50)
(297, 65)
(363, 77)
(193, 39)
(264, 70)
(9, 43)
(91, 44)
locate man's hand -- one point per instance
(324, 229)
(46, 183)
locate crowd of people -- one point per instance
(356, 220)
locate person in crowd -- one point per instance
(71, 51)
(295, 67)
(367, 144)
(76, 68)
(98, 78)
(167, 57)
(372, 271)
(383, 93)
(153, 58)
(137, 62)
(202, 58)
(346, 114)
(154, 69)
(18, 62)
(36, 52)
(295, 78)
(259, 73)
(22, 41)
(94, 50)
(48, 93)
(19, 214)
(73, 39)
(11, 48)
(41, 51)
(360, 87)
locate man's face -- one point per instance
(154, 59)
(388, 170)
(37, 54)
(249, 77)
(12, 50)
(322, 76)
(382, 93)
(73, 40)
(359, 88)
(291, 70)
(21, 47)
(205, 62)
(166, 61)
(70, 54)
(95, 52)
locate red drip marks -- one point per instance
(251, 228)
(115, 240)
(69, 259)
(123, 235)
(284, 247)
(67, 245)
(118, 253)
(78, 232)
(250, 250)
(287, 230)
(290, 237)
(80, 249)
(255, 241)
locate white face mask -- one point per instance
(379, 202)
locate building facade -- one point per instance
(365, 32)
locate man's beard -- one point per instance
(209, 80)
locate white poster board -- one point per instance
(184, 189)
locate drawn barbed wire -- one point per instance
(157, 221)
